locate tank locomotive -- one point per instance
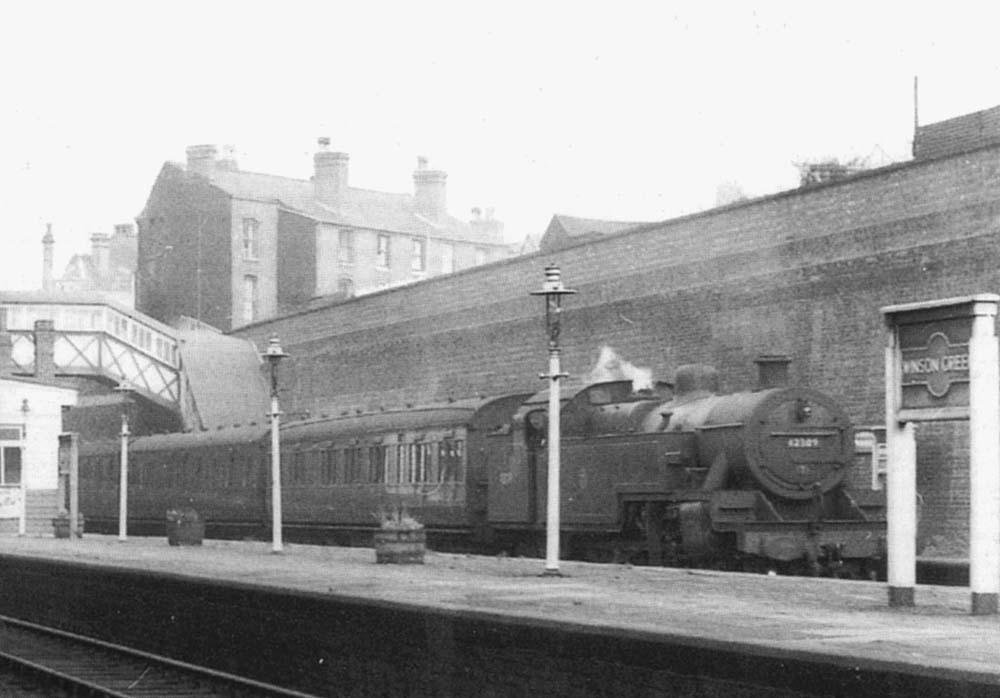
(677, 474)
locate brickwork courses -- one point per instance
(802, 273)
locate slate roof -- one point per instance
(361, 208)
(566, 230)
(957, 135)
(225, 378)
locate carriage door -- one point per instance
(513, 470)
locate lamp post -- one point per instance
(123, 389)
(22, 519)
(553, 291)
(274, 355)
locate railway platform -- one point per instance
(470, 625)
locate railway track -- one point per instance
(86, 667)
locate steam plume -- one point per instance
(611, 367)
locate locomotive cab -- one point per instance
(517, 487)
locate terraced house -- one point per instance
(229, 247)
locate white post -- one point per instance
(984, 462)
(74, 488)
(901, 490)
(22, 520)
(552, 502)
(123, 484)
(276, 545)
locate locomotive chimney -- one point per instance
(772, 371)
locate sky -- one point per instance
(632, 111)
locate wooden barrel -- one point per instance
(400, 547)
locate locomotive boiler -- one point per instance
(752, 480)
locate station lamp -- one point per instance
(553, 291)
(274, 355)
(125, 390)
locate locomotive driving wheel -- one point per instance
(650, 534)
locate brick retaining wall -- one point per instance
(802, 273)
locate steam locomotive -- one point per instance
(675, 474)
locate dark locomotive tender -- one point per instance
(676, 475)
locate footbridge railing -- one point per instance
(97, 339)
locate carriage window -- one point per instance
(293, 467)
(450, 461)
(353, 458)
(421, 462)
(378, 463)
(327, 466)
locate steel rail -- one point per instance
(100, 668)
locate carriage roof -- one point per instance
(453, 414)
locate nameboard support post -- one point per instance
(984, 463)
(942, 363)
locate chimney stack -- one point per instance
(45, 349)
(48, 257)
(772, 371)
(488, 228)
(429, 191)
(6, 347)
(201, 160)
(331, 171)
(227, 162)
(100, 254)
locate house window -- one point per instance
(10, 465)
(249, 298)
(447, 258)
(418, 262)
(345, 247)
(382, 252)
(251, 238)
(480, 256)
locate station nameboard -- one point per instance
(930, 342)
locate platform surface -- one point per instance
(846, 622)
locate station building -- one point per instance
(803, 273)
(31, 413)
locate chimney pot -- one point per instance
(48, 250)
